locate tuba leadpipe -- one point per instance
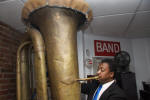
(40, 67)
(89, 78)
(25, 92)
(22, 73)
(39, 63)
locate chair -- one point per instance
(146, 86)
(144, 95)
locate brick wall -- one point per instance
(9, 42)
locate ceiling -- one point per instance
(120, 18)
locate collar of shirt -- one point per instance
(104, 87)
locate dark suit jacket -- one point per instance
(89, 88)
(112, 93)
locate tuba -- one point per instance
(52, 27)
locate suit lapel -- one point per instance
(107, 91)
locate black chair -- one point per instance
(144, 95)
(146, 86)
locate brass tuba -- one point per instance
(52, 26)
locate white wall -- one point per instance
(141, 52)
(80, 53)
(126, 45)
(86, 42)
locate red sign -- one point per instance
(106, 48)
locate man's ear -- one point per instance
(111, 74)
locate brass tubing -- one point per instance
(24, 75)
(40, 65)
(18, 70)
(89, 78)
(59, 27)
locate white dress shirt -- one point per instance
(104, 87)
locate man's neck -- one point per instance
(106, 81)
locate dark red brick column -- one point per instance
(9, 42)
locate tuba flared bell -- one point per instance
(52, 27)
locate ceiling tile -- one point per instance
(141, 21)
(111, 25)
(111, 7)
(139, 33)
(10, 13)
(140, 25)
(3, 0)
(145, 6)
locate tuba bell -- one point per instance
(52, 27)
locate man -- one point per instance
(107, 89)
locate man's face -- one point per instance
(104, 73)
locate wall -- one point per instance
(141, 52)
(9, 40)
(87, 43)
(80, 53)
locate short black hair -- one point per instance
(111, 63)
